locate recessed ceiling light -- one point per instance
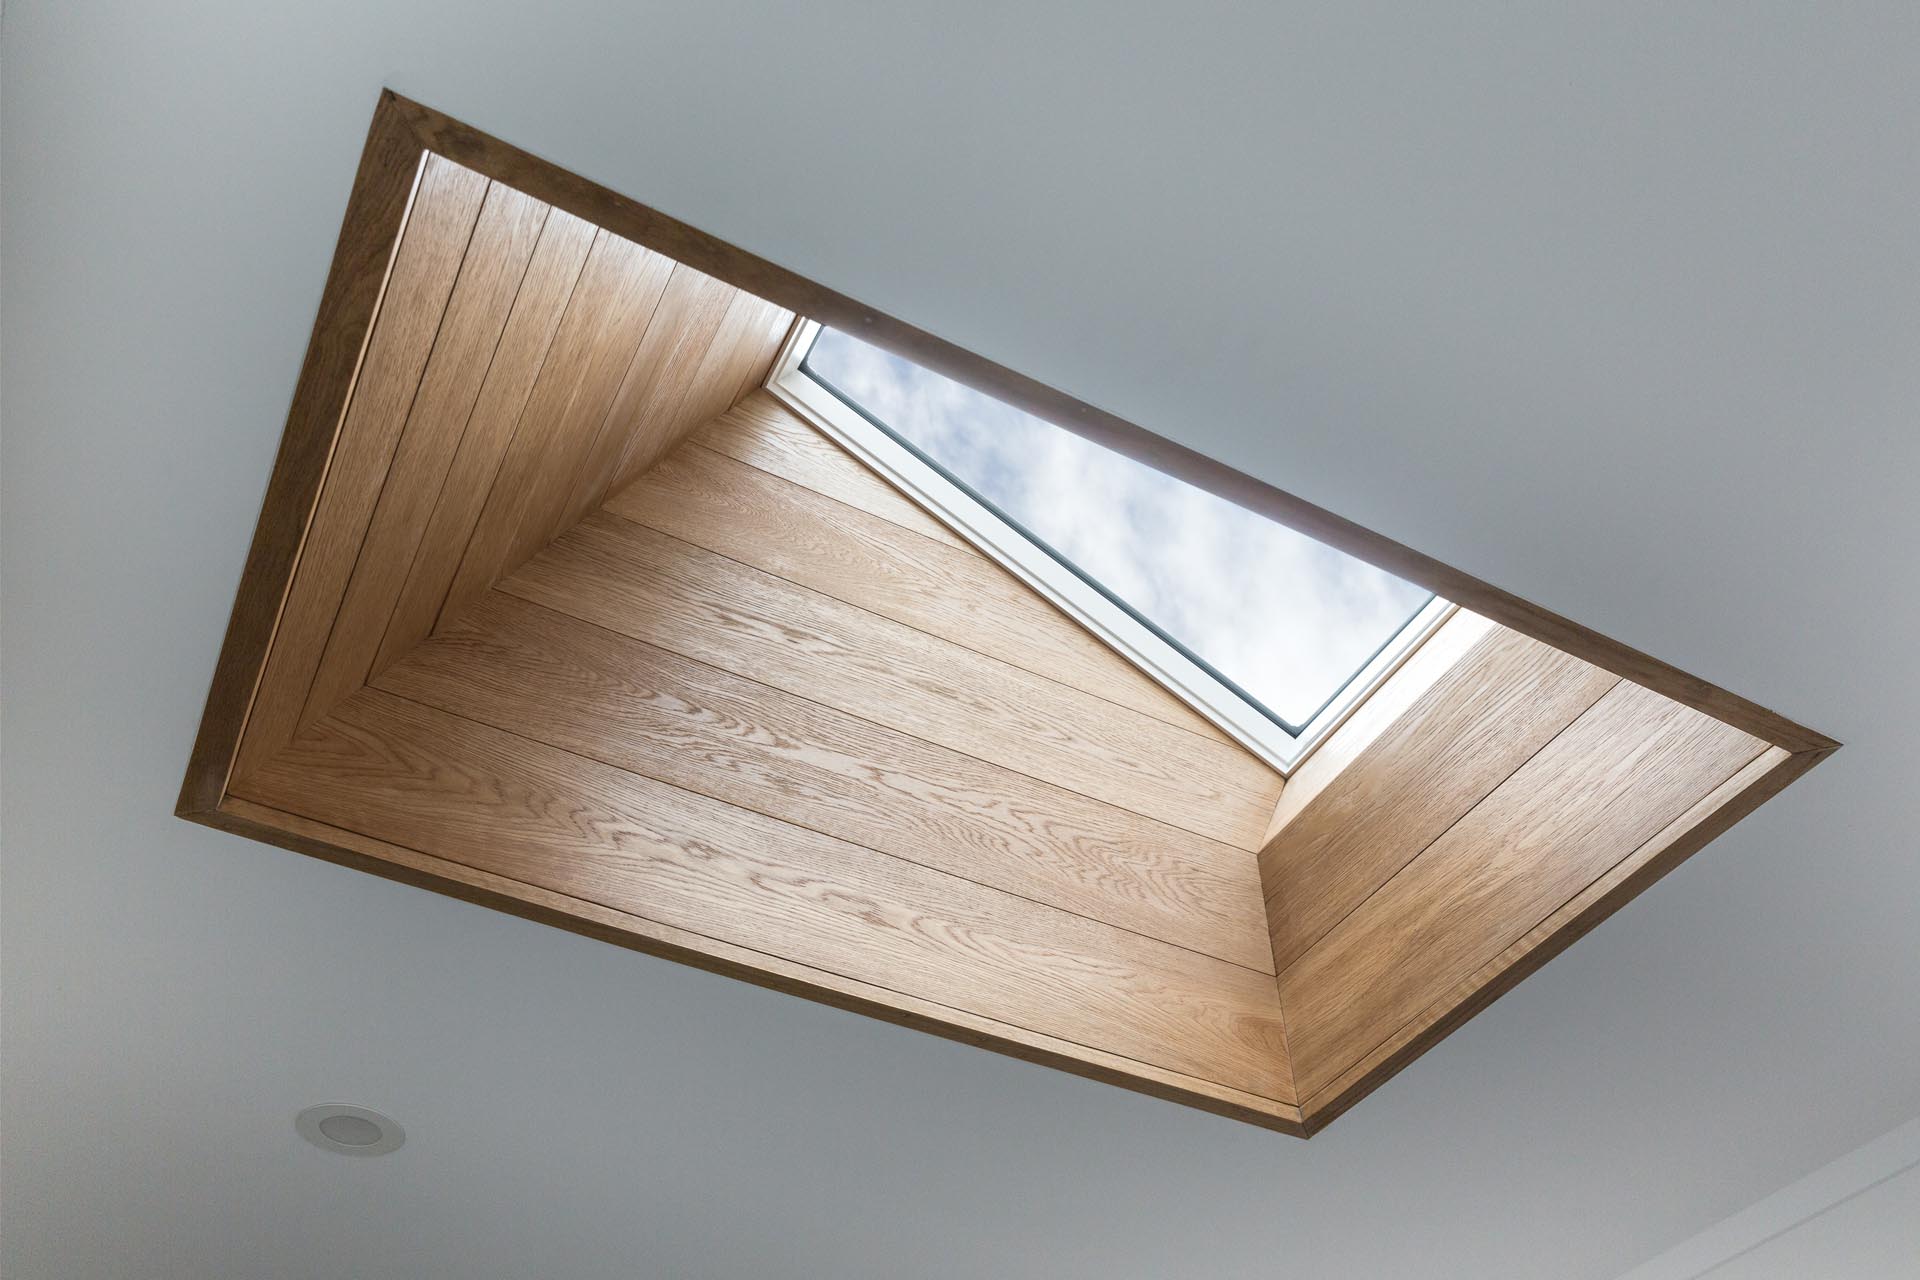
(353, 1131)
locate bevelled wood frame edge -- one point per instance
(369, 234)
(509, 164)
(589, 919)
(1762, 779)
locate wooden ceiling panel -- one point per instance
(817, 542)
(471, 474)
(1622, 771)
(538, 815)
(445, 205)
(490, 277)
(692, 600)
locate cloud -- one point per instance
(1287, 618)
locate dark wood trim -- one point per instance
(509, 164)
(362, 853)
(369, 235)
(1547, 940)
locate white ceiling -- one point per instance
(1619, 310)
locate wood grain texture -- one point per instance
(1392, 780)
(651, 409)
(517, 361)
(1621, 772)
(410, 866)
(429, 257)
(483, 295)
(1763, 777)
(745, 514)
(690, 601)
(618, 292)
(620, 381)
(707, 378)
(459, 790)
(626, 216)
(761, 347)
(763, 433)
(301, 522)
(377, 208)
(518, 666)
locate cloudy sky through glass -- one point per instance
(1288, 619)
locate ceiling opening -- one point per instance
(576, 593)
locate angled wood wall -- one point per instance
(1487, 787)
(755, 698)
(521, 365)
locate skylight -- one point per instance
(1234, 612)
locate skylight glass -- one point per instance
(1283, 620)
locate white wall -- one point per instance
(1857, 1218)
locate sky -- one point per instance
(1287, 618)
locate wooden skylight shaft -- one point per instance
(551, 608)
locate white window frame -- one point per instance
(1114, 626)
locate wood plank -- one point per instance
(746, 514)
(1615, 777)
(376, 213)
(1394, 777)
(651, 411)
(483, 294)
(573, 358)
(409, 866)
(701, 605)
(431, 247)
(1763, 777)
(535, 318)
(752, 326)
(763, 433)
(747, 329)
(759, 346)
(639, 277)
(469, 793)
(518, 666)
(506, 162)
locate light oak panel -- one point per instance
(650, 410)
(748, 515)
(489, 553)
(701, 605)
(1626, 768)
(762, 331)
(517, 361)
(608, 393)
(410, 866)
(459, 790)
(593, 692)
(565, 429)
(742, 352)
(445, 207)
(1763, 777)
(763, 433)
(483, 295)
(1399, 773)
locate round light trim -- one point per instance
(350, 1130)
